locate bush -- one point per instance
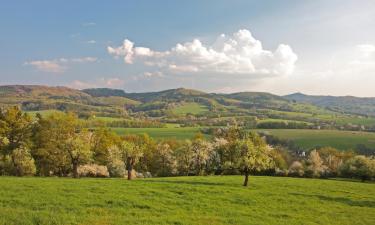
(93, 170)
(296, 169)
(360, 167)
(23, 162)
(116, 168)
(115, 165)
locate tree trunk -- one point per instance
(75, 170)
(129, 167)
(246, 178)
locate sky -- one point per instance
(320, 47)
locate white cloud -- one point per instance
(91, 42)
(98, 83)
(58, 65)
(47, 66)
(239, 53)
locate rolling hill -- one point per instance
(174, 105)
(347, 104)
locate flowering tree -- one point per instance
(254, 155)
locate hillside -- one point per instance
(347, 104)
(192, 107)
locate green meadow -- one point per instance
(186, 200)
(180, 133)
(338, 139)
(192, 107)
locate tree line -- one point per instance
(60, 144)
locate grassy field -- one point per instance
(186, 200)
(343, 140)
(161, 133)
(192, 107)
(334, 138)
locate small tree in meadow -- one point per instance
(254, 155)
(78, 149)
(131, 155)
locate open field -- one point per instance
(192, 107)
(186, 200)
(334, 138)
(161, 133)
(305, 138)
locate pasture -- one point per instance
(186, 200)
(179, 133)
(191, 107)
(312, 138)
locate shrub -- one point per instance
(93, 170)
(23, 162)
(296, 169)
(359, 167)
(116, 166)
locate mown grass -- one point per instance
(312, 138)
(186, 200)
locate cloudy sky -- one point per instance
(315, 47)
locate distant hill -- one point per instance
(347, 104)
(196, 107)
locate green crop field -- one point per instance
(161, 133)
(186, 200)
(193, 108)
(334, 138)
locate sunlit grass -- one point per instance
(185, 200)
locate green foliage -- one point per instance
(359, 167)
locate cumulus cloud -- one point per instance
(101, 82)
(239, 53)
(58, 65)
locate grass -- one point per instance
(343, 140)
(191, 107)
(311, 138)
(186, 200)
(161, 133)
(42, 112)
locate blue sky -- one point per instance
(316, 47)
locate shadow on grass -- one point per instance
(342, 200)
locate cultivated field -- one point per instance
(186, 200)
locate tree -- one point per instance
(60, 144)
(15, 133)
(316, 166)
(202, 150)
(359, 167)
(102, 141)
(165, 160)
(184, 155)
(131, 154)
(23, 162)
(254, 155)
(78, 149)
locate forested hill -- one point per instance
(115, 102)
(347, 104)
